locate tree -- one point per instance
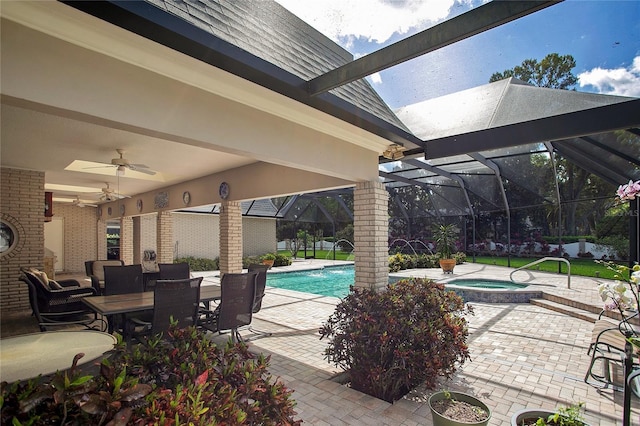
(575, 183)
(554, 72)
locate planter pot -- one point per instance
(531, 414)
(440, 420)
(268, 262)
(447, 265)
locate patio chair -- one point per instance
(235, 310)
(95, 270)
(261, 284)
(59, 303)
(124, 280)
(174, 271)
(177, 299)
(607, 349)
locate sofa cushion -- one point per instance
(98, 267)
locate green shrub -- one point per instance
(282, 260)
(200, 263)
(183, 379)
(460, 257)
(393, 340)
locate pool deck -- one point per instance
(522, 355)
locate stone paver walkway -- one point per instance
(522, 356)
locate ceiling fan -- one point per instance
(122, 164)
(78, 203)
(109, 194)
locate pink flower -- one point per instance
(629, 191)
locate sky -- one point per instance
(603, 36)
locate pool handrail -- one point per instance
(535, 262)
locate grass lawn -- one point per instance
(583, 267)
(320, 254)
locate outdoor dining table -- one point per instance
(120, 304)
(28, 355)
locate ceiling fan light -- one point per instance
(120, 171)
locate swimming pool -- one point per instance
(331, 281)
(334, 281)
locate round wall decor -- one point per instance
(139, 205)
(8, 237)
(186, 198)
(224, 190)
(122, 209)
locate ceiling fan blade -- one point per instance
(99, 167)
(139, 168)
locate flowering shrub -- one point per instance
(629, 191)
(622, 294)
(393, 340)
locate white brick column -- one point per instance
(230, 237)
(126, 240)
(101, 239)
(164, 237)
(370, 234)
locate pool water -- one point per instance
(335, 281)
(332, 281)
(485, 283)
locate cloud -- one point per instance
(376, 78)
(617, 81)
(374, 20)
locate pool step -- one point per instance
(573, 308)
(566, 309)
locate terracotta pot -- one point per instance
(440, 420)
(268, 262)
(447, 265)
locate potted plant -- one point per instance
(445, 238)
(268, 259)
(457, 409)
(565, 416)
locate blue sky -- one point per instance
(602, 35)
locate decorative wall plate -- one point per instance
(224, 190)
(139, 205)
(161, 200)
(186, 198)
(109, 211)
(122, 209)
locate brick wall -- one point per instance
(258, 236)
(80, 235)
(197, 235)
(21, 206)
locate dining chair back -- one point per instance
(177, 299)
(237, 295)
(123, 279)
(261, 285)
(174, 271)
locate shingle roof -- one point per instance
(267, 30)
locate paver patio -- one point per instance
(522, 356)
